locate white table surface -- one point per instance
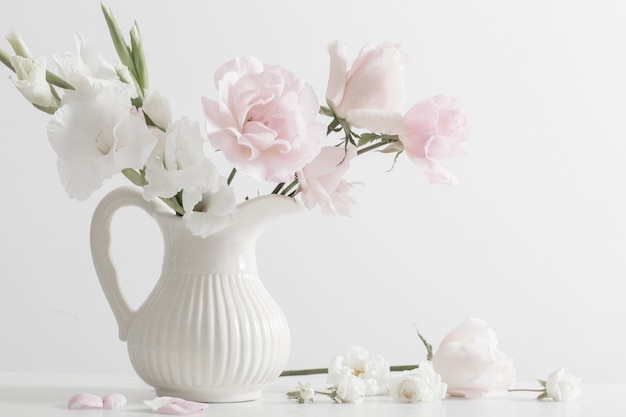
(46, 395)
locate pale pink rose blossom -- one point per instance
(438, 130)
(174, 406)
(369, 93)
(264, 120)
(321, 181)
(470, 363)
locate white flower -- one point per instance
(306, 391)
(17, 43)
(214, 211)
(87, 72)
(561, 386)
(31, 81)
(419, 385)
(157, 107)
(97, 139)
(178, 163)
(372, 369)
(349, 389)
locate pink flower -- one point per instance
(438, 130)
(86, 401)
(321, 181)
(174, 406)
(470, 363)
(370, 93)
(264, 119)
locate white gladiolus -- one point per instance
(31, 81)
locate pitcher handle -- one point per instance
(100, 239)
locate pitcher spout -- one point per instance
(253, 215)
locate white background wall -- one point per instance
(532, 240)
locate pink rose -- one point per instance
(370, 93)
(321, 181)
(264, 119)
(438, 130)
(470, 363)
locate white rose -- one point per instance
(561, 386)
(350, 389)
(470, 363)
(419, 385)
(307, 392)
(372, 369)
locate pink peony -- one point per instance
(321, 181)
(264, 119)
(370, 93)
(438, 130)
(469, 361)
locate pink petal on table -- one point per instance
(175, 406)
(112, 401)
(84, 401)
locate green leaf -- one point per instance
(326, 111)
(542, 395)
(123, 51)
(428, 346)
(542, 382)
(139, 58)
(333, 126)
(367, 138)
(49, 110)
(5, 58)
(58, 81)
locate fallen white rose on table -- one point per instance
(418, 385)
(561, 386)
(350, 389)
(372, 369)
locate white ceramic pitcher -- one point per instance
(209, 331)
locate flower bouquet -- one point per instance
(209, 315)
(265, 121)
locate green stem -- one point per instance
(276, 189)
(231, 176)
(290, 186)
(305, 372)
(395, 368)
(527, 390)
(372, 147)
(139, 180)
(5, 58)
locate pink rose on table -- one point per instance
(368, 94)
(470, 363)
(322, 183)
(437, 129)
(264, 119)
